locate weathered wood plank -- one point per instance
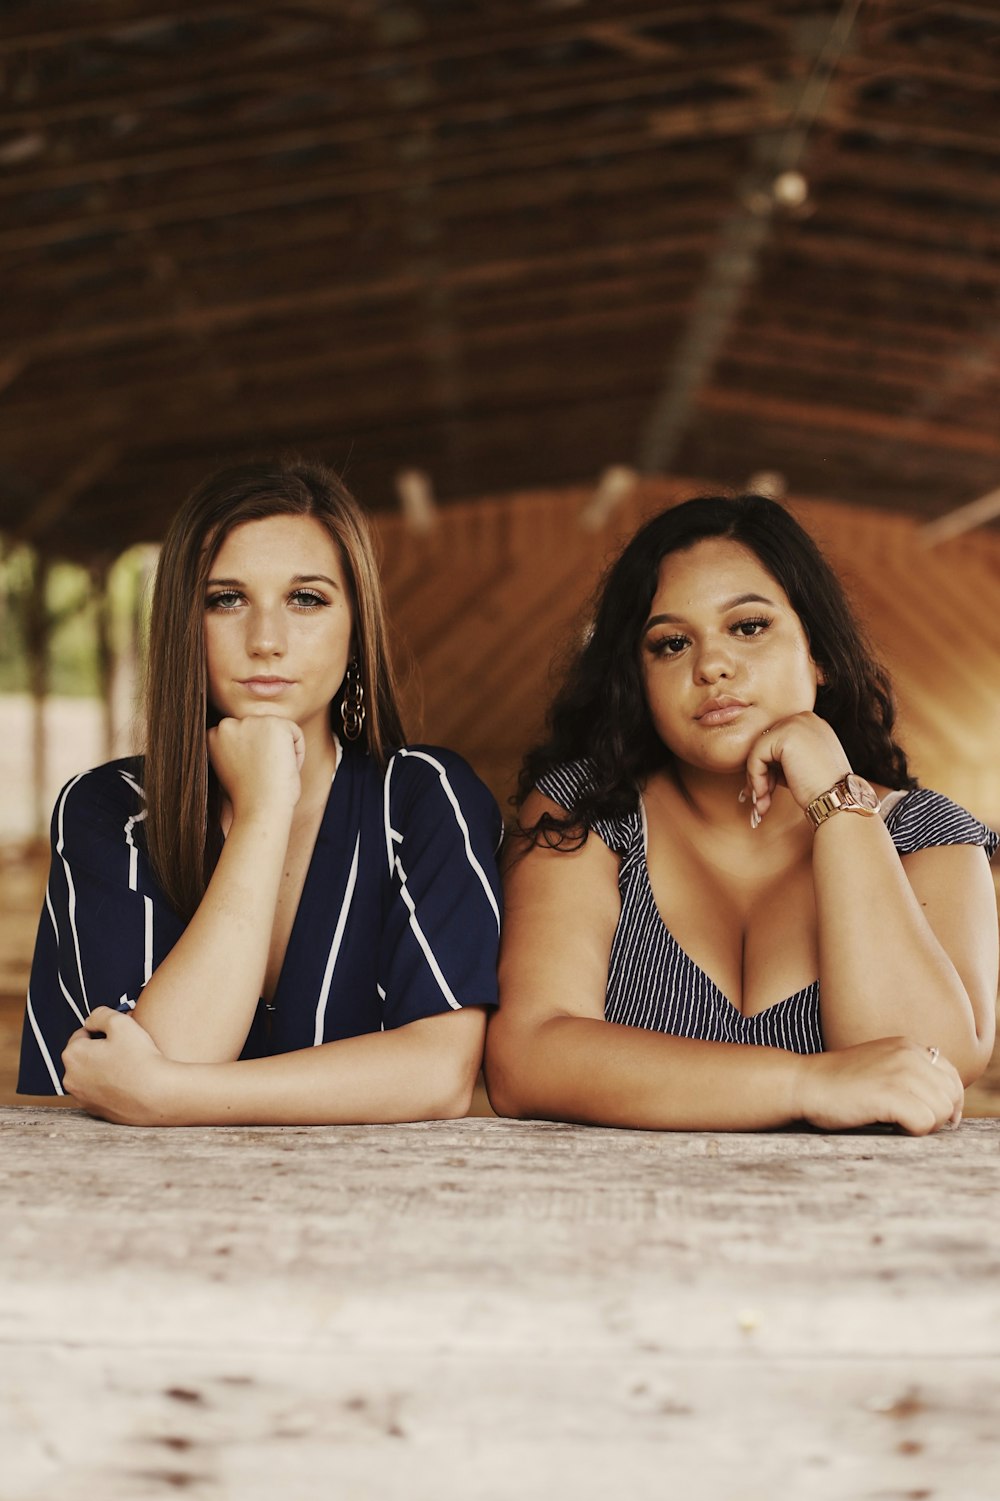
(419, 1427)
(487, 1309)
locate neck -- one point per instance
(319, 764)
(713, 799)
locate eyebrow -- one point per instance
(730, 604)
(298, 578)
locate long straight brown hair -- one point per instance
(183, 797)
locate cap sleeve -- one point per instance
(924, 819)
(439, 942)
(566, 783)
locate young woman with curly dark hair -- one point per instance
(729, 906)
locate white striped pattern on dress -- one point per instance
(653, 983)
(394, 843)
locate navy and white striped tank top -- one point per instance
(653, 983)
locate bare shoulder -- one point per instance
(587, 868)
(561, 907)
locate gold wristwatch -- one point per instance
(850, 795)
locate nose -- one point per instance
(713, 660)
(265, 632)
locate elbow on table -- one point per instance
(449, 1087)
(453, 1102)
(505, 1081)
(968, 1046)
(504, 1100)
(976, 1060)
(971, 1049)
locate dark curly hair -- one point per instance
(600, 713)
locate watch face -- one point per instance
(862, 793)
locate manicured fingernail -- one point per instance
(754, 819)
(753, 796)
(743, 795)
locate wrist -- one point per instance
(802, 1085)
(808, 791)
(262, 822)
(850, 794)
(161, 1092)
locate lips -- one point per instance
(716, 711)
(266, 687)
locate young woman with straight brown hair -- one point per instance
(281, 913)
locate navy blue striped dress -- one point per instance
(399, 916)
(653, 983)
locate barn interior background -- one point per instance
(522, 272)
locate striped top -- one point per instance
(653, 983)
(399, 916)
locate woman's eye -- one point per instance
(668, 646)
(755, 627)
(307, 599)
(227, 599)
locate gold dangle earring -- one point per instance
(352, 704)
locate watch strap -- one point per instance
(841, 798)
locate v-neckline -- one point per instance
(720, 993)
(655, 906)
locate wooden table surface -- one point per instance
(496, 1311)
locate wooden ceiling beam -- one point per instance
(277, 80)
(919, 264)
(49, 509)
(482, 36)
(860, 69)
(910, 333)
(318, 69)
(870, 213)
(116, 297)
(104, 16)
(661, 118)
(816, 354)
(631, 175)
(837, 168)
(297, 373)
(909, 132)
(514, 325)
(351, 295)
(826, 418)
(315, 189)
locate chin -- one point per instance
(260, 709)
(730, 761)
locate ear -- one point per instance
(820, 676)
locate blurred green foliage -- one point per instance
(71, 606)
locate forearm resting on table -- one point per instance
(905, 957)
(602, 1073)
(200, 1002)
(423, 1071)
